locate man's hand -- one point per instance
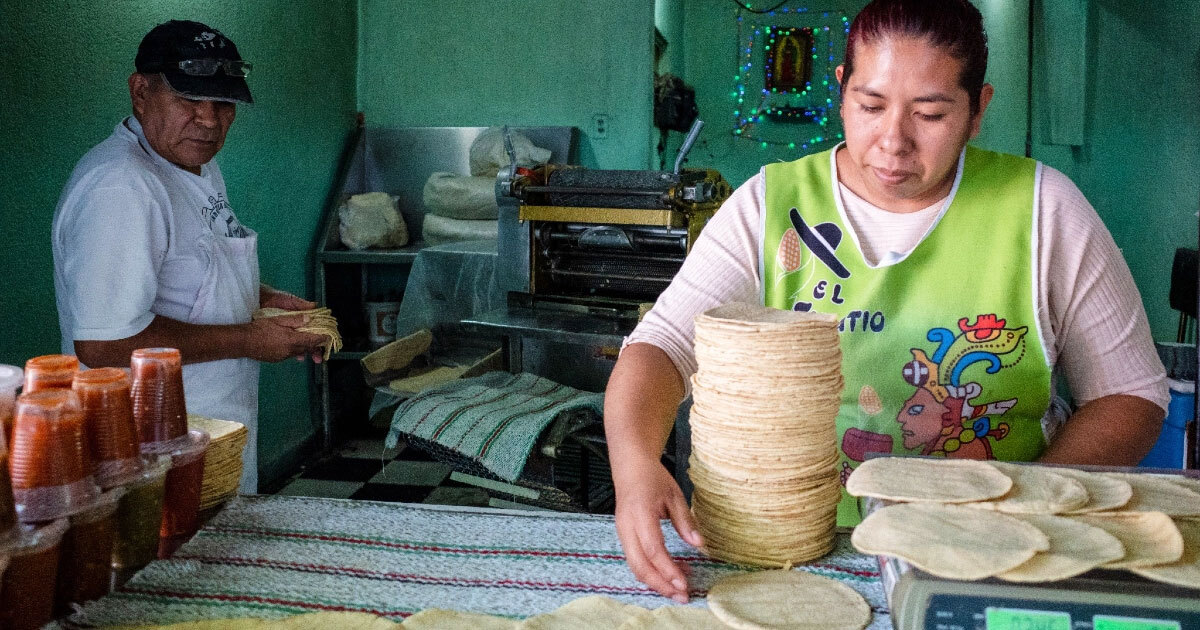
(270, 297)
(274, 339)
(274, 298)
(646, 495)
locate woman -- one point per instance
(963, 279)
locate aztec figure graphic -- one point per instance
(943, 416)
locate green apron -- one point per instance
(942, 353)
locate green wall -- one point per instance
(1007, 118)
(668, 19)
(63, 67)
(467, 63)
(1140, 161)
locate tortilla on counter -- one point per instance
(594, 611)
(443, 619)
(310, 621)
(766, 600)
(674, 618)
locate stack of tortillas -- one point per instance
(320, 322)
(1026, 522)
(222, 460)
(763, 436)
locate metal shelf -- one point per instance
(400, 256)
(347, 356)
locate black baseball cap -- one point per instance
(196, 60)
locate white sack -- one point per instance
(488, 154)
(371, 220)
(461, 197)
(437, 230)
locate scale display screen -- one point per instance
(1020, 619)
(1106, 622)
(1016, 619)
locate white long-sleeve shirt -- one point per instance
(1090, 312)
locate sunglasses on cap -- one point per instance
(206, 67)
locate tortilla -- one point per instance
(1185, 571)
(1191, 483)
(320, 322)
(310, 621)
(1156, 493)
(594, 611)
(674, 618)
(950, 541)
(1075, 548)
(766, 600)
(442, 619)
(1036, 490)
(1150, 538)
(1104, 493)
(928, 479)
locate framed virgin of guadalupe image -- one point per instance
(788, 65)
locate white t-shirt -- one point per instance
(135, 236)
(124, 238)
(1089, 310)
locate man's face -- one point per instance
(188, 133)
(906, 120)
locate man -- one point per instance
(147, 249)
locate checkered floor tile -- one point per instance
(364, 469)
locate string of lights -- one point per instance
(747, 6)
(780, 92)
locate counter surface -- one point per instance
(277, 556)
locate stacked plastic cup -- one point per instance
(139, 520)
(85, 563)
(181, 494)
(108, 421)
(27, 589)
(161, 417)
(50, 371)
(10, 382)
(159, 409)
(9, 529)
(51, 473)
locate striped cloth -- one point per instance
(494, 419)
(278, 556)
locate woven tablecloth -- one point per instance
(277, 556)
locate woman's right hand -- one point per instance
(645, 495)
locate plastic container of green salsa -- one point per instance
(139, 516)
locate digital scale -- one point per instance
(1096, 600)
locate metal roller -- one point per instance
(579, 187)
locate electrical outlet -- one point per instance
(600, 126)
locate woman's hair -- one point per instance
(955, 26)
